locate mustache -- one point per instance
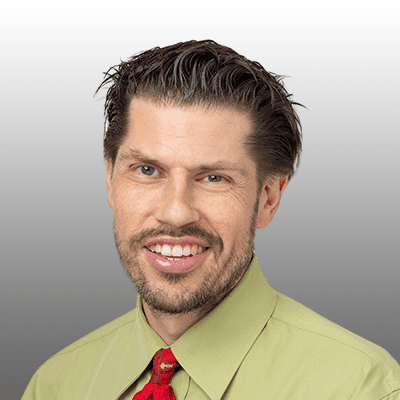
(167, 230)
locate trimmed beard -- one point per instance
(212, 290)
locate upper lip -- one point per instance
(191, 240)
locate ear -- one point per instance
(109, 171)
(270, 198)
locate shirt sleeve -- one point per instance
(375, 381)
(392, 396)
(44, 385)
(30, 391)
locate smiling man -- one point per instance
(200, 145)
(186, 203)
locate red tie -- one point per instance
(158, 388)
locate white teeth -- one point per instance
(166, 250)
(186, 250)
(177, 250)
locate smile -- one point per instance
(176, 264)
(177, 251)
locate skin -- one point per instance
(174, 197)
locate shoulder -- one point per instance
(331, 351)
(77, 362)
(307, 322)
(121, 326)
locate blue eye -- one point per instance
(215, 178)
(147, 170)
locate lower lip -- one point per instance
(175, 266)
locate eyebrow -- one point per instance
(137, 155)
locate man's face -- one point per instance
(182, 179)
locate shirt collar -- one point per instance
(139, 352)
(212, 350)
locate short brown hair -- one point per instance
(208, 74)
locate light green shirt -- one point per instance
(257, 344)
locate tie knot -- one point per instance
(164, 365)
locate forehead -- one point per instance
(186, 136)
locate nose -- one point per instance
(176, 206)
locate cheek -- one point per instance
(227, 226)
(130, 200)
(222, 225)
(227, 215)
(129, 212)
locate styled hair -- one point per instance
(204, 73)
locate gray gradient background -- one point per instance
(334, 243)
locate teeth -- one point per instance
(166, 250)
(177, 250)
(186, 250)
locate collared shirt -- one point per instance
(256, 344)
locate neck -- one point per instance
(170, 327)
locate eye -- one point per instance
(146, 170)
(214, 178)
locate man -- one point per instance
(200, 144)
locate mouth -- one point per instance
(173, 263)
(176, 252)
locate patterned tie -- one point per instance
(158, 388)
